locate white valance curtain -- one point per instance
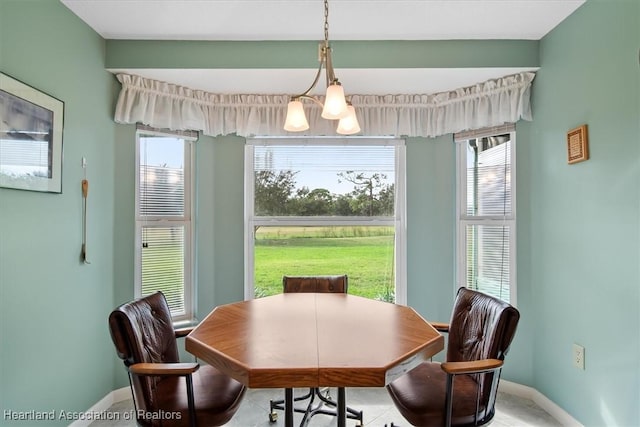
(164, 105)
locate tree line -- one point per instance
(276, 194)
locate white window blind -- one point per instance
(486, 214)
(161, 190)
(163, 219)
(489, 177)
(163, 258)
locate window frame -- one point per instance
(186, 220)
(463, 220)
(398, 221)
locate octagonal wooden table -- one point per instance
(314, 340)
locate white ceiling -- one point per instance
(303, 20)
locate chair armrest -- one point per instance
(183, 332)
(179, 369)
(474, 367)
(440, 326)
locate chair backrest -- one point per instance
(481, 327)
(142, 332)
(326, 284)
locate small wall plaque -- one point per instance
(577, 145)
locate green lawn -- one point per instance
(163, 264)
(365, 254)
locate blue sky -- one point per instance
(317, 165)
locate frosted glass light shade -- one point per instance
(296, 120)
(349, 125)
(335, 105)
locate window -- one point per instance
(323, 206)
(163, 219)
(486, 211)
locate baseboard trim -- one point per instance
(508, 387)
(541, 400)
(100, 409)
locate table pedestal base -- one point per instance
(325, 406)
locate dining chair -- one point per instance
(326, 405)
(461, 391)
(166, 392)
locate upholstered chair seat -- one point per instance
(461, 391)
(166, 392)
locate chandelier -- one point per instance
(335, 106)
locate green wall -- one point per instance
(303, 54)
(578, 225)
(431, 206)
(55, 349)
(585, 218)
(124, 229)
(220, 213)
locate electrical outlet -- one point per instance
(578, 356)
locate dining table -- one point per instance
(314, 340)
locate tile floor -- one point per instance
(511, 411)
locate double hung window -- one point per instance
(325, 206)
(163, 219)
(486, 214)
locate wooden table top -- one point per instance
(314, 340)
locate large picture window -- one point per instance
(486, 211)
(324, 207)
(163, 219)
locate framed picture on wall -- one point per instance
(577, 145)
(31, 124)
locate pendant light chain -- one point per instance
(326, 22)
(330, 74)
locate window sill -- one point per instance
(186, 323)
